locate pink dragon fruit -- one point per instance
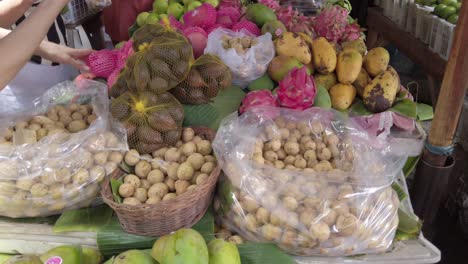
(297, 90)
(270, 3)
(203, 16)
(352, 32)
(291, 18)
(175, 24)
(256, 100)
(230, 3)
(331, 23)
(213, 28)
(122, 56)
(228, 12)
(102, 63)
(247, 25)
(198, 38)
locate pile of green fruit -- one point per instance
(445, 9)
(61, 254)
(183, 246)
(177, 8)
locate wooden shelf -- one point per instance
(412, 47)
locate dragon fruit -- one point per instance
(332, 23)
(213, 28)
(198, 38)
(226, 21)
(228, 12)
(230, 3)
(102, 63)
(174, 23)
(297, 90)
(247, 25)
(270, 3)
(352, 32)
(256, 100)
(291, 18)
(203, 16)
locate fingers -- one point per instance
(78, 64)
(78, 53)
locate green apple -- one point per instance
(187, 2)
(214, 3)
(193, 5)
(176, 10)
(162, 16)
(152, 19)
(141, 18)
(160, 6)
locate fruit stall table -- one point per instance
(380, 26)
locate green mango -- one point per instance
(91, 256)
(223, 252)
(182, 247)
(260, 14)
(132, 257)
(68, 254)
(262, 83)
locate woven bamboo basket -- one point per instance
(166, 216)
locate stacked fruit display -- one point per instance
(169, 172)
(445, 9)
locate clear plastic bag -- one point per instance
(54, 154)
(313, 182)
(246, 67)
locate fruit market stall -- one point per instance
(219, 132)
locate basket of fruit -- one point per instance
(173, 187)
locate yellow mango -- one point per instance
(324, 56)
(342, 96)
(325, 80)
(379, 95)
(376, 61)
(362, 81)
(349, 65)
(293, 45)
(357, 44)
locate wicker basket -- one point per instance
(166, 216)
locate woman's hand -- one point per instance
(64, 55)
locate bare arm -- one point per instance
(12, 10)
(18, 46)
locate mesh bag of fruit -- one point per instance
(207, 76)
(152, 120)
(312, 182)
(54, 154)
(245, 54)
(161, 62)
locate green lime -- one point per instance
(141, 18)
(152, 19)
(449, 2)
(453, 19)
(439, 8)
(448, 11)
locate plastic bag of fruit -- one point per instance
(207, 76)
(152, 120)
(313, 182)
(245, 54)
(54, 154)
(158, 65)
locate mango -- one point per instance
(23, 260)
(91, 255)
(262, 83)
(183, 246)
(376, 61)
(324, 56)
(293, 45)
(362, 81)
(133, 256)
(281, 65)
(260, 14)
(342, 96)
(68, 254)
(223, 252)
(275, 28)
(379, 95)
(306, 38)
(349, 65)
(326, 80)
(357, 44)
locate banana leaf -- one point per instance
(410, 165)
(115, 185)
(258, 253)
(425, 112)
(112, 240)
(84, 220)
(210, 115)
(405, 107)
(359, 109)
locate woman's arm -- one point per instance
(18, 46)
(12, 10)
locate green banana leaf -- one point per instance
(84, 220)
(258, 253)
(409, 223)
(402, 195)
(405, 107)
(210, 115)
(112, 240)
(115, 185)
(322, 99)
(410, 165)
(425, 112)
(359, 109)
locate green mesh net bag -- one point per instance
(152, 120)
(206, 78)
(157, 66)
